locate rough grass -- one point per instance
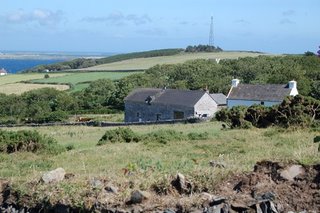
(9, 79)
(145, 63)
(143, 165)
(19, 88)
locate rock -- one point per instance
(96, 183)
(291, 172)
(180, 183)
(138, 196)
(111, 189)
(169, 211)
(217, 164)
(54, 176)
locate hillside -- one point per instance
(203, 153)
(146, 63)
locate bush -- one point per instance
(198, 136)
(28, 141)
(164, 136)
(119, 135)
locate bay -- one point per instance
(17, 65)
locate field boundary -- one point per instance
(99, 123)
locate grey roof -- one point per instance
(166, 96)
(267, 92)
(219, 98)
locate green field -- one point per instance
(152, 162)
(145, 63)
(81, 80)
(9, 79)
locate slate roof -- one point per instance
(166, 96)
(219, 98)
(267, 92)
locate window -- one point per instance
(178, 115)
(138, 115)
(158, 117)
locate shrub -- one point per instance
(28, 141)
(198, 136)
(164, 136)
(119, 135)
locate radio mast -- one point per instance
(211, 41)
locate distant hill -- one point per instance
(85, 62)
(144, 60)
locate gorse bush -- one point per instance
(162, 136)
(28, 141)
(292, 112)
(119, 135)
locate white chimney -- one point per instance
(235, 82)
(293, 86)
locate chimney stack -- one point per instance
(235, 82)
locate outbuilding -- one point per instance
(154, 104)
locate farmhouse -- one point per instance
(152, 104)
(263, 94)
(3, 72)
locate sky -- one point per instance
(118, 26)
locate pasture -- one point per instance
(19, 88)
(81, 80)
(153, 162)
(145, 63)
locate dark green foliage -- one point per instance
(119, 135)
(316, 139)
(28, 141)
(308, 53)
(69, 147)
(203, 48)
(198, 136)
(163, 136)
(46, 76)
(293, 111)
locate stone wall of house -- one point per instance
(135, 112)
(205, 107)
(232, 103)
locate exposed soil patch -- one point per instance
(289, 187)
(272, 187)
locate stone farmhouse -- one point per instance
(263, 94)
(152, 104)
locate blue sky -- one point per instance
(274, 26)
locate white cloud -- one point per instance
(117, 18)
(40, 16)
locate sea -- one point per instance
(13, 66)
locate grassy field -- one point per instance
(151, 162)
(9, 79)
(11, 84)
(19, 88)
(145, 63)
(80, 80)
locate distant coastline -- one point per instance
(50, 55)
